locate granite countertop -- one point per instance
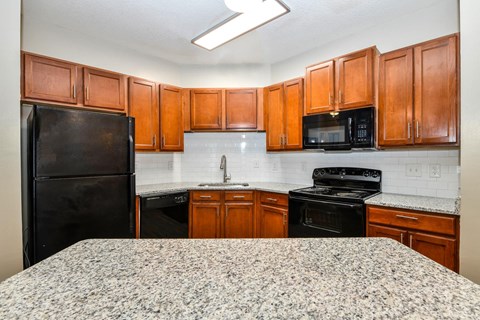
(347, 278)
(421, 203)
(278, 187)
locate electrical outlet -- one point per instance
(276, 165)
(256, 164)
(304, 166)
(435, 170)
(413, 170)
(170, 165)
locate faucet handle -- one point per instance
(228, 177)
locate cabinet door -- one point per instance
(104, 90)
(241, 108)
(205, 220)
(49, 79)
(171, 118)
(206, 109)
(385, 232)
(238, 221)
(395, 98)
(293, 114)
(436, 87)
(439, 249)
(272, 222)
(143, 99)
(274, 117)
(320, 86)
(355, 80)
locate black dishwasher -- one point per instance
(164, 215)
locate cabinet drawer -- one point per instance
(206, 195)
(238, 195)
(412, 220)
(274, 198)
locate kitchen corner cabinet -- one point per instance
(143, 106)
(418, 95)
(221, 214)
(346, 82)
(206, 109)
(104, 89)
(433, 235)
(171, 118)
(283, 115)
(272, 215)
(241, 108)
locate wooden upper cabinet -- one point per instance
(395, 99)
(50, 79)
(171, 118)
(436, 91)
(104, 89)
(143, 101)
(206, 109)
(355, 79)
(274, 116)
(241, 108)
(320, 87)
(293, 112)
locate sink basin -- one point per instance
(223, 184)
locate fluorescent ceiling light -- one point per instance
(240, 24)
(242, 5)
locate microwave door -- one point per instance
(326, 132)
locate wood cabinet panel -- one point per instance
(238, 195)
(238, 221)
(274, 117)
(241, 108)
(439, 249)
(171, 118)
(104, 89)
(395, 103)
(272, 198)
(50, 79)
(205, 220)
(320, 88)
(206, 195)
(386, 232)
(293, 114)
(205, 109)
(273, 222)
(436, 87)
(143, 101)
(355, 79)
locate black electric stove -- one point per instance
(335, 205)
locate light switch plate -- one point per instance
(170, 165)
(256, 164)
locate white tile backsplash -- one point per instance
(245, 151)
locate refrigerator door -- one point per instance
(69, 210)
(81, 143)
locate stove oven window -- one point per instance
(327, 219)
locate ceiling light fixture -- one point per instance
(242, 5)
(241, 23)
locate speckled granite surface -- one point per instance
(430, 204)
(362, 278)
(184, 186)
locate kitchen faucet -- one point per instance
(223, 165)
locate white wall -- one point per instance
(249, 161)
(10, 202)
(50, 40)
(433, 22)
(470, 151)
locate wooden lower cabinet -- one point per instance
(205, 220)
(433, 235)
(238, 222)
(272, 222)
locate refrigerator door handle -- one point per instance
(131, 144)
(132, 209)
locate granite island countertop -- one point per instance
(145, 190)
(413, 202)
(347, 278)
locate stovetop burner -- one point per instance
(334, 192)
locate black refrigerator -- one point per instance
(80, 181)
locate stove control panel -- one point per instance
(347, 173)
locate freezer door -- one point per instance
(70, 142)
(73, 209)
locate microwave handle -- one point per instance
(350, 131)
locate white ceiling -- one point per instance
(164, 28)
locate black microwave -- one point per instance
(343, 130)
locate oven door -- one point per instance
(318, 218)
(328, 132)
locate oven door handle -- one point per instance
(350, 132)
(341, 204)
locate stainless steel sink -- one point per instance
(223, 184)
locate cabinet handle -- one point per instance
(205, 197)
(238, 197)
(272, 199)
(284, 219)
(417, 133)
(218, 120)
(340, 96)
(411, 240)
(330, 98)
(401, 237)
(163, 141)
(155, 140)
(285, 140)
(409, 130)
(87, 93)
(281, 140)
(406, 217)
(74, 91)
